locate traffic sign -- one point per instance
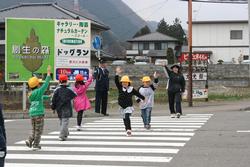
(97, 42)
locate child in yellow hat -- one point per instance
(147, 90)
(126, 91)
(36, 110)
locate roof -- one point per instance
(155, 36)
(49, 11)
(219, 21)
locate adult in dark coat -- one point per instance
(176, 87)
(101, 76)
(2, 139)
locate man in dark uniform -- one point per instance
(2, 139)
(101, 75)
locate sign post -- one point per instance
(97, 43)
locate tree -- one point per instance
(170, 56)
(162, 27)
(143, 31)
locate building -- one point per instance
(150, 47)
(226, 40)
(48, 11)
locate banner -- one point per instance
(33, 44)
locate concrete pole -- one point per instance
(249, 27)
(190, 68)
(24, 96)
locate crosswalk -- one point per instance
(103, 143)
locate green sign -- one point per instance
(29, 48)
(33, 44)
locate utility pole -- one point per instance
(249, 27)
(190, 57)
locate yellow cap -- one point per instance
(34, 82)
(125, 78)
(146, 79)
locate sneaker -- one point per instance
(28, 143)
(129, 133)
(147, 127)
(78, 128)
(178, 115)
(35, 148)
(62, 138)
(172, 116)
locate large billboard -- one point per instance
(33, 44)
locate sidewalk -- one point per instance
(158, 110)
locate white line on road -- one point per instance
(122, 138)
(123, 133)
(57, 165)
(243, 131)
(89, 158)
(98, 149)
(139, 123)
(141, 126)
(163, 121)
(111, 143)
(134, 130)
(8, 120)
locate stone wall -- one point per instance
(228, 75)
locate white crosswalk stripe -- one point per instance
(103, 143)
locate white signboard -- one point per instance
(197, 94)
(197, 76)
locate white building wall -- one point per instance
(216, 38)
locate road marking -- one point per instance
(8, 120)
(163, 121)
(122, 138)
(243, 131)
(136, 123)
(123, 133)
(57, 165)
(89, 158)
(110, 143)
(98, 149)
(247, 111)
(141, 126)
(134, 129)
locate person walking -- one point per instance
(3, 140)
(61, 102)
(176, 86)
(36, 110)
(126, 92)
(81, 101)
(101, 76)
(147, 90)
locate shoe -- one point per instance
(106, 115)
(28, 143)
(35, 148)
(172, 116)
(62, 138)
(147, 127)
(78, 128)
(178, 115)
(129, 133)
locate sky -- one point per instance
(155, 10)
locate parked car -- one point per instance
(159, 62)
(140, 63)
(118, 62)
(246, 62)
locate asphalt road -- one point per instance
(203, 139)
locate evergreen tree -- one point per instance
(170, 56)
(162, 27)
(143, 31)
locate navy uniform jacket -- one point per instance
(2, 132)
(176, 81)
(102, 79)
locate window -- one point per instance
(145, 46)
(157, 46)
(245, 57)
(236, 34)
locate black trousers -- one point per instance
(174, 99)
(79, 117)
(101, 98)
(127, 121)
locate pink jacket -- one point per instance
(81, 101)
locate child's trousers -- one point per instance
(127, 121)
(146, 115)
(37, 130)
(64, 131)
